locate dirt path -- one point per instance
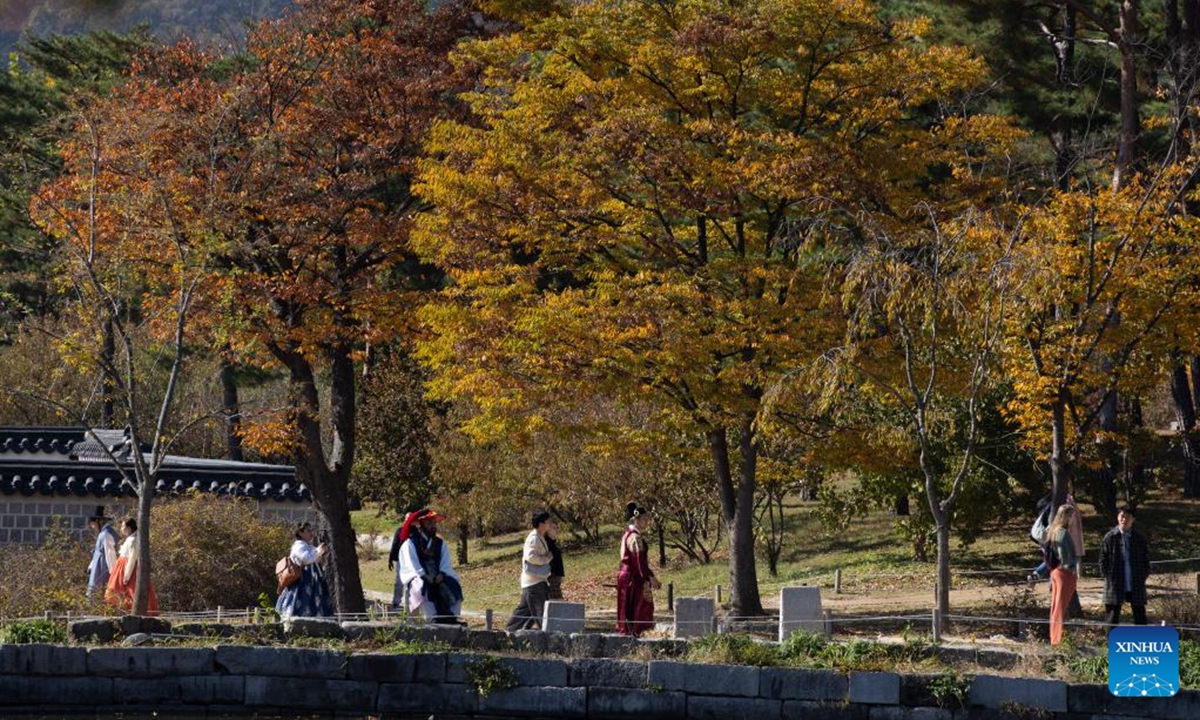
(979, 598)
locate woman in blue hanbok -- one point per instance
(308, 596)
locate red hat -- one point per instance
(416, 516)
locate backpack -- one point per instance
(288, 573)
(1038, 531)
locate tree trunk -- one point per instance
(141, 594)
(108, 352)
(1111, 464)
(231, 407)
(328, 485)
(941, 519)
(1061, 464)
(1185, 417)
(662, 545)
(943, 566)
(464, 535)
(1127, 144)
(1195, 378)
(737, 507)
(1062, 139)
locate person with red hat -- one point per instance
(434, 589)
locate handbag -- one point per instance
(288, 572)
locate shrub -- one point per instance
(487, 675)
(950, 689)
(211, 552)
(1189, 664)
(1178, 608)
(34, 631)
(52, 577)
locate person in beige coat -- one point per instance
(535, 576)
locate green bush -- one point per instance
(950, 689)
(24, 632)
(487, 675)
(1189, 664)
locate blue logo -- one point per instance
(1143, 661)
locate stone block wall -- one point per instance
(233, 681)
(28, 519)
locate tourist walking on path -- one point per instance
(434, 589)
(535, 576)
(122, 581)
(104, 554)
(1062, 561)
(308, 596)
(1125, 565)
(1075, 529)
(635, 581)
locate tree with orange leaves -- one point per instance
(133, 217)
(333, 107)
(298, 177)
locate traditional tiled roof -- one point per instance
(59, 440)
(93, 474)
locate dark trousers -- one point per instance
(1074, 608)
(1112, 613)
(528, 614)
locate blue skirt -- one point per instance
(308, 597)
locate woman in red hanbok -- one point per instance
(635, 581)
(122, 581)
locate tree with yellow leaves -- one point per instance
(650, 200)
(1106, 276)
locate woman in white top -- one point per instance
(308, 596)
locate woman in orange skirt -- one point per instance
(122, 582)
(1061, 558)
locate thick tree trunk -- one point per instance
(327, 484)
(231, 408)
(737, 509)
(1185, 417)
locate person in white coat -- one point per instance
(535, 575)
(434, 588)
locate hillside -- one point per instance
(221, 20)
